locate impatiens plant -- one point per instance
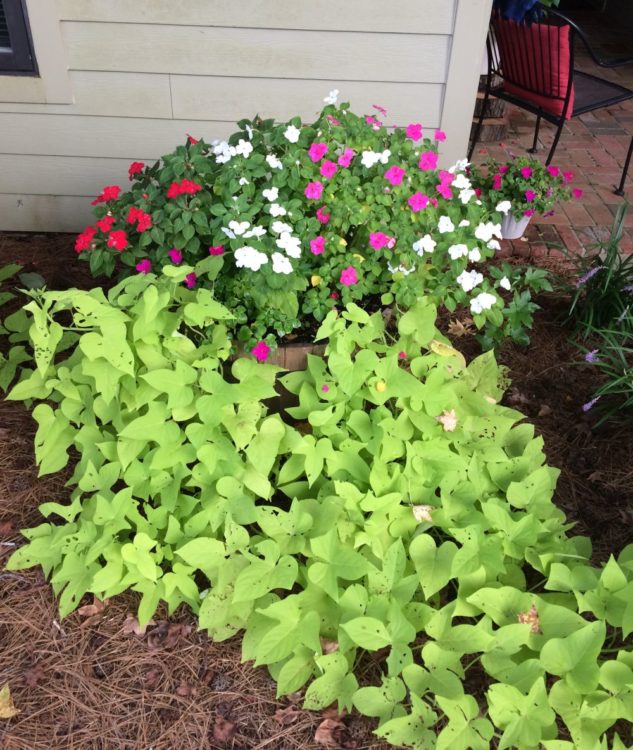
(306, 217)
(523, 185)
(409, 521)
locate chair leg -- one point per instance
(559, 131)
(536, 130)
(620, 189)
(480, 121)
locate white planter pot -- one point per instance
(511, 228)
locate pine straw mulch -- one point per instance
(91, 683)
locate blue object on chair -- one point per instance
(514, 10)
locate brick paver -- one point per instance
(593, 147)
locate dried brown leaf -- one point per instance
(167, 635)
(96, 608)
(530, 618)
(151, 678)
(328, 646)
(328, 732)
(185, 689)
(223, 729)
(460, 328)
(33, 675)
(6, 528)
(286, 716)
(131, 625)
(7, 708)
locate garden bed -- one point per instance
(89, 682)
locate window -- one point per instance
(16, 51)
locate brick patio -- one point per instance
(593, 147)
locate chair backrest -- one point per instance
(535, 60)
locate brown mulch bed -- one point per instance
(87, 683)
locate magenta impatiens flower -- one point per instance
(418, 201)
(313, 191)
(440, 135)
(261, 351)
(345, 159)
(568, 176)
(349, 277)
(317, 151)
(530, 195)
(216, 250)
(414, 131)
(378, 240)
(526, 172)
(428, 160)
(317, 245)
(328, 169)
(373, 121)
(529, 212)
(175, 256)
(554, 171)
(380, 109)
(577, 193)
(496, 182)
(190, 280)
(394, 175)
(322, 215)
(503, 168)
(144, 266)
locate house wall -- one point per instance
(123, 81)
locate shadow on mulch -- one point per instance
(87, 684)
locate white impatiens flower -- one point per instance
(466, 195)
(464, 223)
(445, 225)
(425, 244)
(249, 132)
(273, 162)
(250, 257)
(277, 210)
(238, 227)
(223, 152)
(255, 232)
(369, 158)
(291, 133)
(461, 182)
(494, 245)
(474, 255)
(292, 245)
(244, 181)
(469, 279)
(244, 148)
(459, 166)
(504, 283)
(332, 97)
(503, 206)
(281, 264)
(483, 301)
(278, 227)
(271, 194)
(457, 251)
(400, 269)
(487, 231)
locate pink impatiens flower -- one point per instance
(345, 159)
(328, 169)
(440, 135)
(261, 351)
(373, 121)
(190, 280)
(378, 240)
(428, 160)
(216, 250)
(175, 256)
(144, 266)
(317, 151)
(526, 172)
(496, 182)
(332, 120)
(503, 168)
(380, 109)
(577, 193)
(414, 131)
(444, 187)
(530, 195)
(317, 245)
(313, 190)
(568, 176)
(418, 201)
(322, 216)
(349, 277)
(529, 212)
(394, 175)
(554, 171)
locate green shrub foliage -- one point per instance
(404, 513)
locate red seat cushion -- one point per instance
(537, 59)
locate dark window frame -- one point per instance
(19, 59)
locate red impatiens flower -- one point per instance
(144, 220)
(136, 167)
(117, 240)
(105, 224)
(186, 187)
(192, 140)
(84, 240)
(109, 193)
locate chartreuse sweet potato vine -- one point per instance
(411, 516)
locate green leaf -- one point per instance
(574, 657)
(203, 553)
(367, 632)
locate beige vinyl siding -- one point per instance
(143, 74)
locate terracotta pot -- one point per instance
(511, 228)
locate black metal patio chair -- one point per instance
(531, 65)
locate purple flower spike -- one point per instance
(589, 275)
(589, 405)
(592, 356)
